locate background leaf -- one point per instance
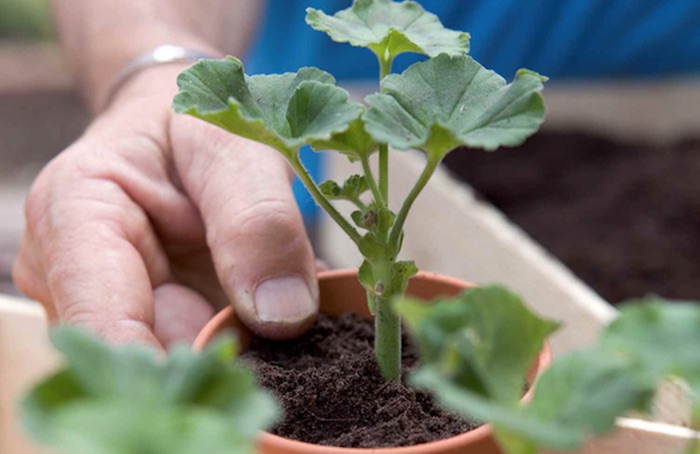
(128, 400)
(484, 340)
(578, 396)
(390, 28)
(661, 338)
(446, 101)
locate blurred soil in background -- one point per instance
(624, 217)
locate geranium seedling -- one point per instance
(437, 105)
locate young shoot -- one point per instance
(437, 105)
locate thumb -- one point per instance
(260, 249)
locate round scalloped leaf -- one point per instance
(354, 142)
(445, 102)
(284, 111)
(390, 28)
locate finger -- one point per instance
(262, 255)
(100, 258)
(29, 278)
(180, 314)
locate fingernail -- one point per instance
(284, 299)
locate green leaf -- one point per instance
(656, 335)
(390, 28)
(401, 273)
(375, 218)
(102, 371)
(128, 400)
(355, 142)
(284, 111)
(357, 217)
(445, 102)
(351, 190)
(579, 396)
(331, 190)
(520, 430)
(484, 340)
(584, 392)
(366, 277)
(121, 427)
(372, 249)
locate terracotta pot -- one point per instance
(341, 293)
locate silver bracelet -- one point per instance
(161, 55)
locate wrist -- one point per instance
(155, 86)
(104, 67)
(160, 56)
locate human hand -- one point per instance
(151, 218)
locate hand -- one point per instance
(152, 218)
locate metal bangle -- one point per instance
(161, 55)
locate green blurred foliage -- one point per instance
(25, 20)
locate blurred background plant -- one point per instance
(25, 20)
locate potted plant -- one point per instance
(437, 105)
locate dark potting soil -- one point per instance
(624, 217)
(332, 392)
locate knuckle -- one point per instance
(268, 220)
(24, 277)
(36, 203)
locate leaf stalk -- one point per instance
(318, 196)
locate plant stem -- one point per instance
(378, 196)
(384, 172)
(322, 200)
(384, 70)
(360, 204)
(387, 340)
(396, 230)
(387, 324)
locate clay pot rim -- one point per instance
(543, 360)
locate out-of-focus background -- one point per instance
(39, 114)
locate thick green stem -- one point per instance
(387, 340)
(387, 324)
(396, 230)
(311, 186)
(384, 70)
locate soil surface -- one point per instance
(333, 394)
(624, 217)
